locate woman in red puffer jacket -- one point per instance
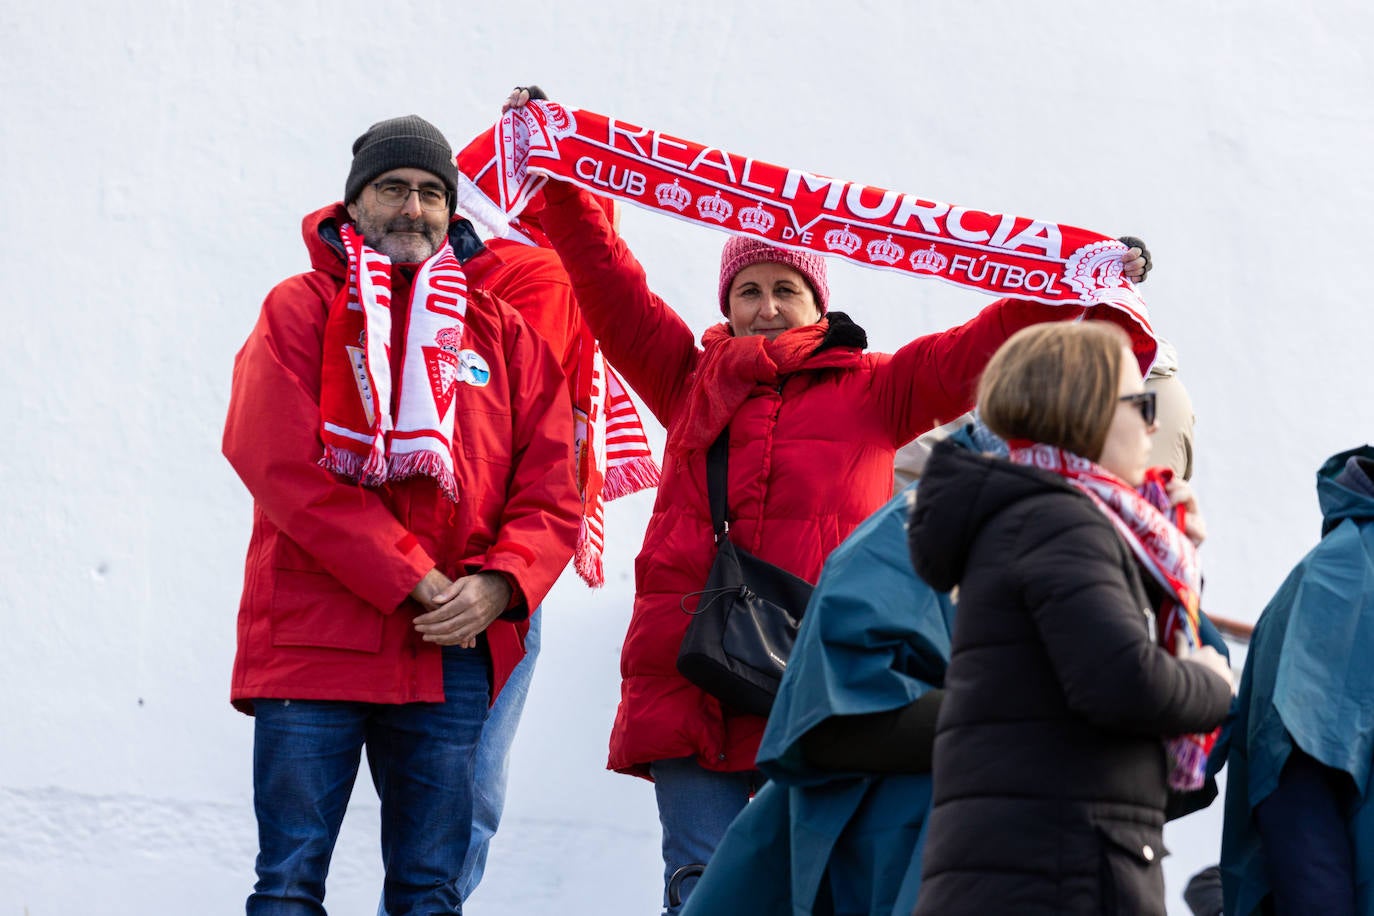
(814, 421)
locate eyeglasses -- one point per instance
(396, 193)
(1143, 402)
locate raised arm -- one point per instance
(647, 342)
(271, 437)
(934, 378)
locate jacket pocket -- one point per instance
(1130, 874)
(486, 435)
(312, 608)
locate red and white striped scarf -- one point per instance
(1165, 552)
(613, 454)
(362, 440)
(995, 253)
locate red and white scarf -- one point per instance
(991, 252)
(1166, 553)
(362, 440)
(613, 454)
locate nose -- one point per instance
(412, 206)
(768, 307)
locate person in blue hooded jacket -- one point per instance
(838, 827)
(1299, 829)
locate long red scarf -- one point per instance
(1165, 552)
(362, 440)
(613, 454)
(731, 369)
(991, 252)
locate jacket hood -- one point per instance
(325, 245)
(1345, 487)
(959, 492)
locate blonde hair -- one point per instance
(1055, 383)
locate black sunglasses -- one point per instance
(1143, 402)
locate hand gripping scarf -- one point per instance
(362, 440)
(613, 455)
(1161, 547)
(995, 253)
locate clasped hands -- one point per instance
(457, 611)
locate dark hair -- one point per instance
(1056, 383)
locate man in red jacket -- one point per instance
(407, 443)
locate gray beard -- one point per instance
(406, 249)
(403, 249)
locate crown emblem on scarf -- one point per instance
(450, 339)
(842, 240)
(715, 208)
(929, 260)
(885, 251)
(561, 122)
(757, 219)
(673, 195)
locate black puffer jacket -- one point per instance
(1050, 773)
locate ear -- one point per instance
(352, 211)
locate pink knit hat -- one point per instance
(743, 250)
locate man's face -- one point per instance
(406, 232)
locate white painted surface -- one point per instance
(157, 158)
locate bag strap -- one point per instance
(717, 477)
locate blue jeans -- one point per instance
(695, 806)
(493, 763)
(305, 759)
(493, 760)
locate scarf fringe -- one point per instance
(1189, 770)
(631, 477)
(368, 470)
(587, 560)
(424, 464)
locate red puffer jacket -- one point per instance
(810, 458)
(326, 612)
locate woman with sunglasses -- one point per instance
(1060, 733)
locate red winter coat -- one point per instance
(532, 281)
(326, 612)
(810, 458)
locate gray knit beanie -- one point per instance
(408, 142)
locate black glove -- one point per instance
(1131, 241)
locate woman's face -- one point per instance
(769, 298)
(1126, 452)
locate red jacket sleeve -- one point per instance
(271, 437)
(934, 378)
(641, 336)
(542, 511)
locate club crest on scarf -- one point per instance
(362, 439)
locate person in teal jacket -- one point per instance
(1299, 829)
(838, 827)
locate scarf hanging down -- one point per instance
(1142, 519)
(613, 454)
(995, 253)
(362, 439)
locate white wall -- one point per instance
(157, 158)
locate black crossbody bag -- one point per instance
(746, 619)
